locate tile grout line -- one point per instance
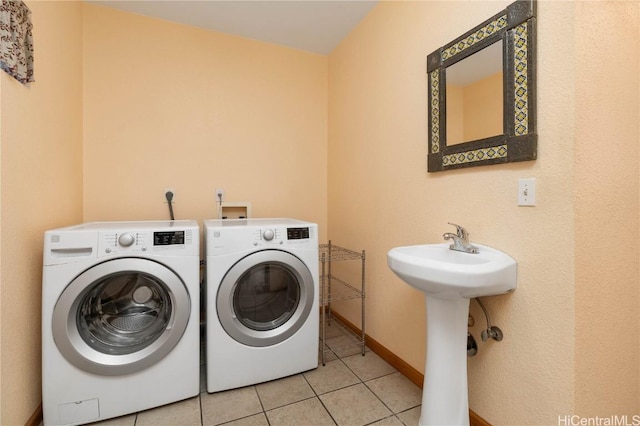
(393, 413)
(360, 381)
(345, 349)
(317, 396)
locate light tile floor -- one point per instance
(350, 390)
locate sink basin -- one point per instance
(449, 279)
(444, 273)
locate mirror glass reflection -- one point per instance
(474, 96)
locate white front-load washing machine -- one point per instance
(262, 300)
(120, 318)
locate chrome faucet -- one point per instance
(460, 240)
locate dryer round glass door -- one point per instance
(265, 298)
(121, 316)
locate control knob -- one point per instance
(126, 239)
(268, 235)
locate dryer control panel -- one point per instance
(298, 233)
(269, 236)
(224, 237)
(282, 235)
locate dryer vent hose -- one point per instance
(169, 196)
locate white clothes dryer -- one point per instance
(120, 318)
(262, 300)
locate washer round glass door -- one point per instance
(265, 298)
(121, 316)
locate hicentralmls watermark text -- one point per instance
(575, 420)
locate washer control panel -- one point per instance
(110, 239)
(142, 241)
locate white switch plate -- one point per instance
(527, 191)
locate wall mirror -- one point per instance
(482, 93)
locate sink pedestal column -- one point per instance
(445, 398)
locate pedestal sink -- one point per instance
(449, 279)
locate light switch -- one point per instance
(527, 191)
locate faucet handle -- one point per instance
(462, 233)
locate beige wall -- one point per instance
(41, 188)
(164, 105)
(153, 91)
(381, 196)
(474, 111)
(455, 114)
(607, 208)
(1, 366)
(483, 108)
(168, 105)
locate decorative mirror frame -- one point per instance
(516, 27)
